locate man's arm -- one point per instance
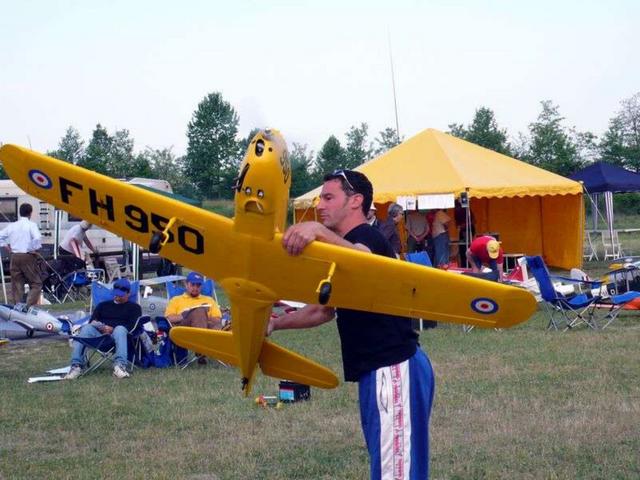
(89, 244)
(307, 317)
(298, 236)
(36, 238)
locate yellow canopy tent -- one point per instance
(533, 210)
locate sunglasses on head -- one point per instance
(341, 173)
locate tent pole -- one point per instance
(467, 228)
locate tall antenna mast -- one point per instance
(393, 84)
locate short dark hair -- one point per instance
(25, 210)
(354, 182)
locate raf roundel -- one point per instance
(49, 326)
(485, 306)
(40, 178)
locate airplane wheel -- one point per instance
(325, 293)
(156, 242)
(30, 333)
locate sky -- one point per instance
(309, 68)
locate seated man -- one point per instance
(113, 317)
(486, 250)
(191, 309)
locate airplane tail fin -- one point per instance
(212, 343)
(275, 361)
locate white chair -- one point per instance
(114, 270)
(611, 244)
(589, 251)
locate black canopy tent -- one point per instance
(604, 179)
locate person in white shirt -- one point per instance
(70, 249)
(24, 240)
(72, 242)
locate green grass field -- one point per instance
(523, 403)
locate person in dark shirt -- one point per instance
(115, 317)
(389, 228)
(380, 352)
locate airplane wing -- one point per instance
(207, 242)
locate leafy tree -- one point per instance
(97, 153)
(358, 149)
(483, 131)
(120, 159)
(212, 151)
(330, 157)
(302, 177)
(551, 146)
(71, 147)
(165, 165)
(612, 147)
(386, 140)
(621, 142)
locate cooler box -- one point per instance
(292, 392)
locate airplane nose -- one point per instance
(253, 206)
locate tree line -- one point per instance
(554, 146)
(215, 150)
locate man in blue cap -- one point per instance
(112, 317)
(192, 309)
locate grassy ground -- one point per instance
(523, 403)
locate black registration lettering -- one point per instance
(190, 239)
(106, 205)
(65, 188)
(138, 219)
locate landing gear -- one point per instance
(325, 293)
(324, 287)
(158, 239)
(156, 242)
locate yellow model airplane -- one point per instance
(245, 256)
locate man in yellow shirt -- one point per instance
(192, 309)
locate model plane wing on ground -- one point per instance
(246, 258)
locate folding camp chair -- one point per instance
(622, 285)
(422, 258)
(208, 289)
(574, 308)
(103, 345)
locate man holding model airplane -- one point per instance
(380, 352)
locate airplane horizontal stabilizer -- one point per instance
(277, 361)
(212, 343)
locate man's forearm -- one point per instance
(306, 317)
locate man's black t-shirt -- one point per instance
(373, 340)
(114, 314)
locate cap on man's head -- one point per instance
(121, 287)
(493, 249)
(195, 277)
(85, 225)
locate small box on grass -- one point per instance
(292, 391)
